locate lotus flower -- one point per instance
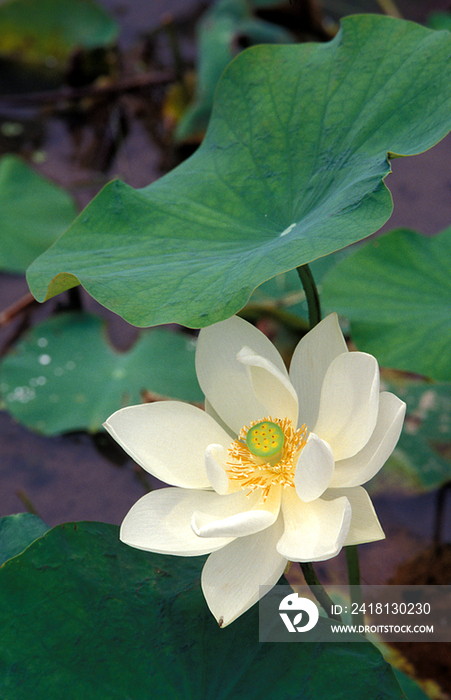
(271, 471)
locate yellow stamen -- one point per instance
(253, 468)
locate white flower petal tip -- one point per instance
(231, 578)
(310, 362)
(365, 464)
(365, 526)
(314, 470)
(168, 439)
(160, 522)
(255, 486)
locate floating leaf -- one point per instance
(34, 213)
(396, 292)
(64, 375)
(99, 619)
(17, 532)
(290, 170)
(439, 20)
(41, 31)
(410, 687)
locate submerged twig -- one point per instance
(26, 501)
(97, 90)
(17, 307)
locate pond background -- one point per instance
(70, 477)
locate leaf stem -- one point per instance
(439, 512)
(311, 294)
(317, 589)
(352, 563)
(75, 302)
(389, 8)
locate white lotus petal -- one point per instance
(271, 386)
(223, 379)
(365, 464)
(215, 458)
(209, 410)
(238, 515)
(309, 365)
(349, 403)
(365, 526)
(231, 578)
(160, 522)
(168, 439)
(314, 469)
(313, 531)
(238, 525)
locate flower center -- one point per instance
(265, 454)
(265, 439)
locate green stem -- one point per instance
(352, 562)
(439, 513)
(311, 294)
(318, 591)
(74, 300)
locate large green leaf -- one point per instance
(64, 375)
(84, 616)
(34, 213)
(40, 31)
(396, 292)
(291, 169)
(17, 532)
